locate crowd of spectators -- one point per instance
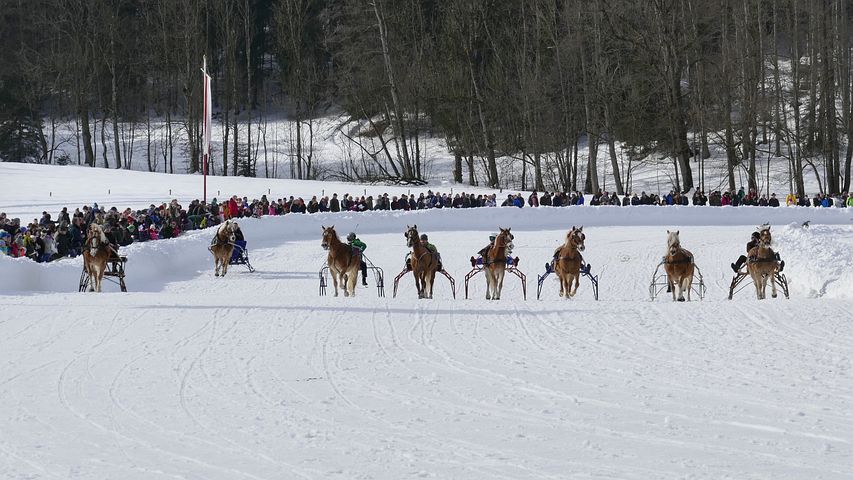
(48, 239)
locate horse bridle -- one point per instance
(325, 242)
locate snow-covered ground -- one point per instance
(255, 376)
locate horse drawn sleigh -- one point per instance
(425, 263)
(343, 264)
(568, 265)
(762, 265)
(495, 261)
(681, 274)
(100, 260)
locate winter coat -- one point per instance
(773, 202)
(63, 243)
(334, 205)
(358, 244)
(5, 242)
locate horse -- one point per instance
(495, 264)
(344, 261)
(679, 267)
(762, 264)
(424, 263)
(96, 253)
(222, 246)
(567, 265)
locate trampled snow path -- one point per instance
(255, 376)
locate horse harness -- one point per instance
(757, 259)
(686, 259)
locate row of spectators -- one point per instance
(48, 239)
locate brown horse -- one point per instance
(762, 264)
(344, 262)
(495, 264)
(679, 267)
(424, 263)
(222, 246)
(95, 255)
(567, 265)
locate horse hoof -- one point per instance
(773, 295)
(680, 299)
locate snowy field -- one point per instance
(255, 376)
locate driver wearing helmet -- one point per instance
(355, 243)
(424, 239)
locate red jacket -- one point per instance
(233, 210)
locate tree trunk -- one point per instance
(398, 119)
(88, 152)
(457, 166)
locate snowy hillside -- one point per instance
(255, 376)
(333, 150)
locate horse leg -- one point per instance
(352, 278)
(419, 283)
(91, 273)
(757, 279)
(499, 281)
(335, 275)
(576, 280)
(98, 275)
(215, 265)
(489, 282)
(562, 284)
(772, 279)
(687, 283)
(670, 286)
(681, 288)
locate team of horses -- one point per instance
(344, 261)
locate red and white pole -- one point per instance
(208, 117)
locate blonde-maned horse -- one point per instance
(679, 267)
(495, 264)
(222, 246)
(344, 262)
(95, 255)
(567, 266)
(762, 264)
(424, 263)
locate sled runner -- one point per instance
(442, 272)
(240, 255)
(510, 267)
(378, 277)
(738, 283)
(549, 269)
(660, 283)
(114, 273)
